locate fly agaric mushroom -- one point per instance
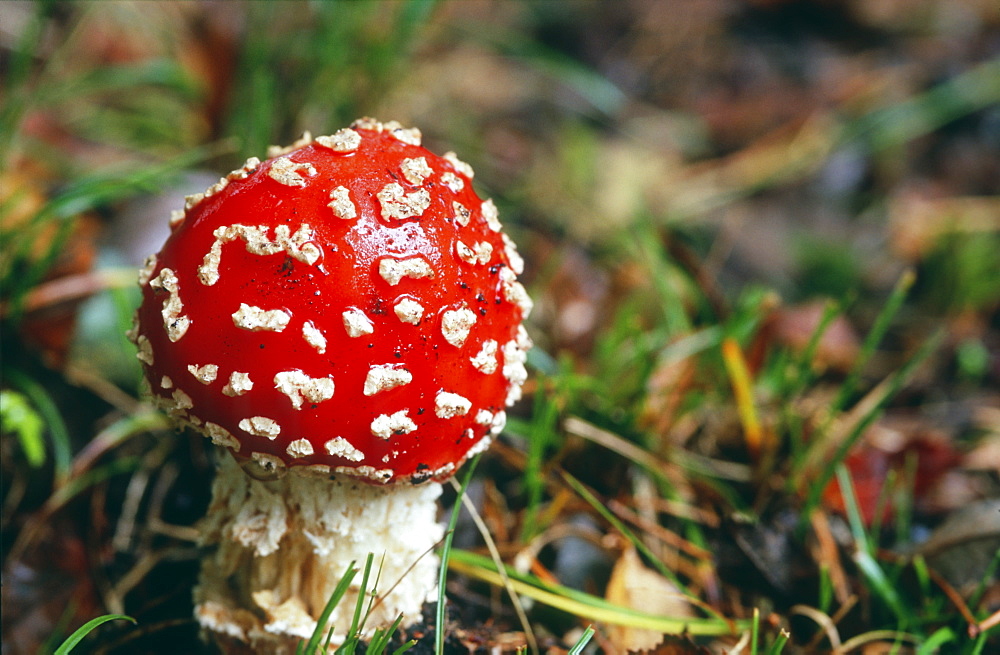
(344, 318)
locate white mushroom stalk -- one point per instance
(269, 538)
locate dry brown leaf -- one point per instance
(638, 587)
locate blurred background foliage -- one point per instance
(762, 237)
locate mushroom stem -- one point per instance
(278, 548)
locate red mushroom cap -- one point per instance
(350, 306)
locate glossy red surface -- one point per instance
(344, 277)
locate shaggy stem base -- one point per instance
(278, 548)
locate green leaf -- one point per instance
(49, 412)
(18, 416)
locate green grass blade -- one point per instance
(862, 540)
(864, 554)
(803, 369)
(412, 15)
(980, 643)
(933, 643)
(873, 338)
(85, 629)
(779, 643)
(338, 594)
(446, 556)
(357, 622)
(587, 606)
(405, 647)
(649, 249)
(582, 642)
(896, 382)
(380, 640)
(901, 122)
(543, 425)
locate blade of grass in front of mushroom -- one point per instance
(358, 621)
(449, 535)
(310, 647)
(60, 630)
(405, 647)
(380, 638)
